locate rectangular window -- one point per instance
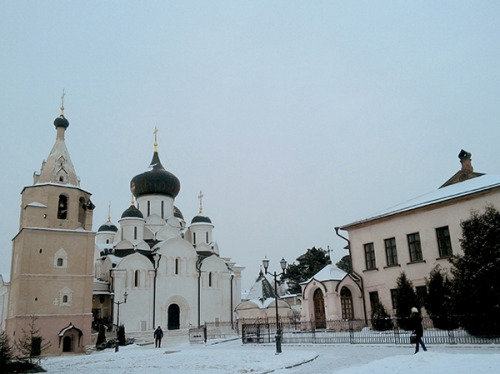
(374, 300)
(391, 253)
(394, 298)
(414, 247)
(370, 256)
(444, 241)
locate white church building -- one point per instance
(173, 274)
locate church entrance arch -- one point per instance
(174, 317)
(67, 344)
(319, 309)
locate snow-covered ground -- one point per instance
(233, 357)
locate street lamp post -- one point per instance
(157, 258)
(265, 263)
(118, 318)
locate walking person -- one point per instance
(158, 334)
(418, 330)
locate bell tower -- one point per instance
(52, 255)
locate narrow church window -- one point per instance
(149, 208)
(136, 278)
(135, 233)
(210, 279)
(65, 299)
(60, 259)
(62, 207)
(162, 209)
(81, 211)
(207, 236)
(176, 266)
(194, 238)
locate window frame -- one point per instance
(445, 248)
(370, 260)
(391, 252)
(415, 247)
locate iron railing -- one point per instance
(386, 331)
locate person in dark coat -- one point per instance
(158, 334)
(418, 330)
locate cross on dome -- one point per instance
(200, 196)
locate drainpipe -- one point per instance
(232, 277)
(353, 272)
(199, 292)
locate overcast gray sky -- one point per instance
(292, 117)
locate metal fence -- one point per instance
(387, 331)
(212, 330)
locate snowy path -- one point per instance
(233, 357)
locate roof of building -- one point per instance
(155, 181)
(201, 219)
(132, 212)
(108, 226)
(453, 191)
(261, 289)
(328, 273)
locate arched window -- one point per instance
(62, 207)
(346, 302)
(82, 207)
(162, 209)
(176, 266)
(136, 278)
(210, 279)
(194, 238)
(135, 232)
(60, 258)
(149, 208)
(65, 299)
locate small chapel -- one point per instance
(152, 269)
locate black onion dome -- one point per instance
(108, 226)
(201, 219)
(132, 212)
(155, 181)
(61, 121)
(178, 213)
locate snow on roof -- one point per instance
(115, 259)
(453, 191)
(329, 272)
(37, 204)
